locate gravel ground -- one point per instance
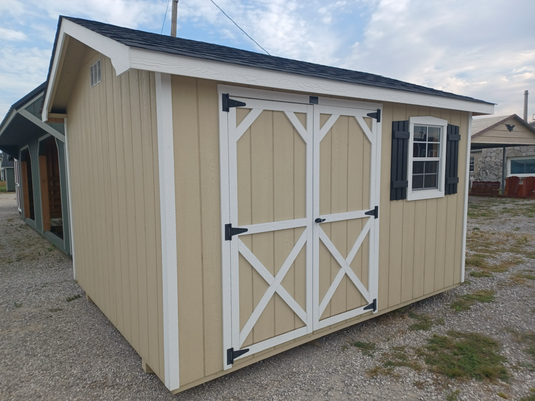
(54, 347)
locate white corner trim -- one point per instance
(166, 166)
(219, 71)
(466, 189)
(69, 202)
(118, 53)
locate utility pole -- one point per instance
(174, 12)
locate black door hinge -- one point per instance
(372, 306)
(230, 231)
(376, 115)
(228, 102)
(231, 354)
(374, 212)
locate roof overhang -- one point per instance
(125, 57)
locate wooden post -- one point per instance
(25, 189)
(45, 200)
(174, 12)
(503, 170)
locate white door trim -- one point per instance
(257, 101)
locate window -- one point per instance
(521, 166)
(426, 165)
(95, 73)
(472, 164)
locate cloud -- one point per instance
(456, 46)
(11, 35)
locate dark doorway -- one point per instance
(27, 184)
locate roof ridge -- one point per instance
(220, 53)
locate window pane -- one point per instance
(417, 181)
(420, 133)
(433, 150)
(418, 149)
(430, 181)
(418, 167)
(523, 166)
(433, 134)
(431, 167)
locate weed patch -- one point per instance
(424, 322)
(397, 357)
(367, 349)
(481, 274)
(453, 395)
(465, 302)
(465, 356)
(69, 299)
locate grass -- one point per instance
(481, 274)
(465, 356)
(367, 349)
(527, 339)
(453, 395)
(486, 244)
(397, 357)
(423, 322)
(502, 395)
(530, 397)
(55, 310)
(69, 299)
(2, 186)
(17, 304)
(465, 302)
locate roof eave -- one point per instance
(117, 52)
(245, 75)
(124, 58)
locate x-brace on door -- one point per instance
(298, 238)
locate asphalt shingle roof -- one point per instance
(208, 51)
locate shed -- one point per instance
(247, 203)
(40, 175)
(502, 146)
(7, 171)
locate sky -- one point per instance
(479, 48)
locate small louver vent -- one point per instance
(95, 73)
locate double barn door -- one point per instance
(299, 192)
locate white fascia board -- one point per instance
(31, 101)
(200, 68)
(42, 125)
(117, 52)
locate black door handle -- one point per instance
(319, 220)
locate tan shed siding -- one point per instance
(420, 241)
(197, 178)
(115, 200)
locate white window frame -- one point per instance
(95, 74)
(472, 164)
(518, 158)
(435, 192)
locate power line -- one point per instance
(220, 9)
(164, 16)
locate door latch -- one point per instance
(319, 220)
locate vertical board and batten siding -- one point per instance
(420, 241)
(113, 157)
(198, 219)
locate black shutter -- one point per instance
(452, 159)
(400, 155)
